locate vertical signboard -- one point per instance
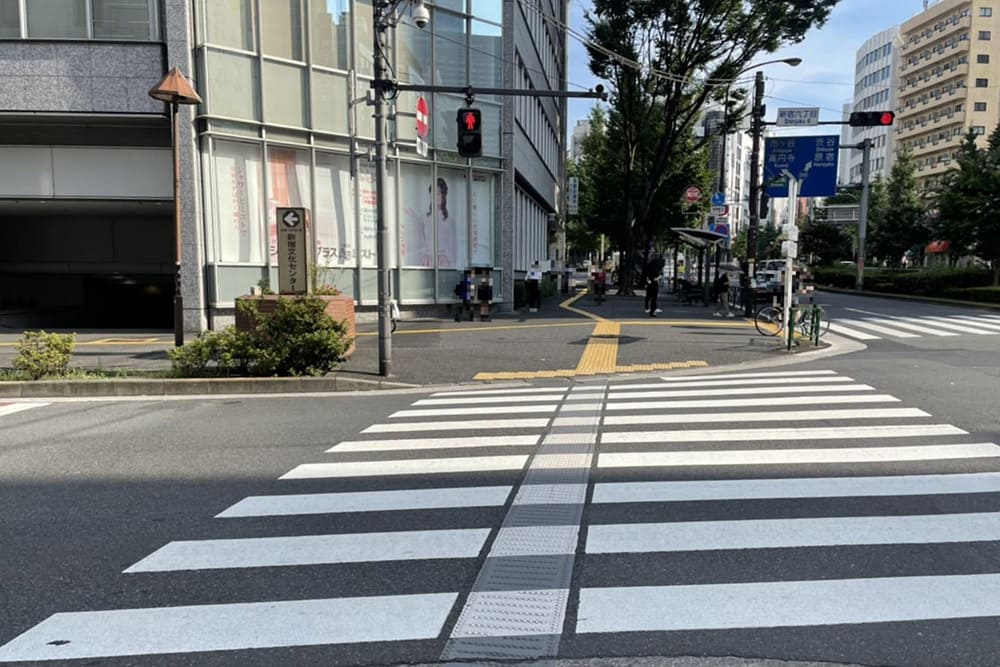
(573, 195)
(294, 250)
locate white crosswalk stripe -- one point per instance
(751, 464)
(889, 326)
(11, 408)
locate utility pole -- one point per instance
(381, 9)
(756, 129)
(866, 147)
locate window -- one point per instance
(982, 83)
(281, 29)
(230, 23)
(986, 11)
(56, 19)
(122, 19)
(79, 19)
(979, 106)
(983, 59)
(978, 129)
(984, 35)
(10, 19)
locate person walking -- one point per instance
(721, 288)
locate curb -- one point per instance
(911, 297)
(191, 387)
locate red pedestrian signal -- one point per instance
(871, 118)
(470, 136)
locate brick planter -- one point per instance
(340, 308)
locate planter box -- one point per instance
(340, 308)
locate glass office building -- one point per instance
(286, 121)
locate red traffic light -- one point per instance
(871, 118)
(470, 120)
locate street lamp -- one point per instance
(174, 89)
(756, 128)
(385, 17)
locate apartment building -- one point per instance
(875, 84)
(948, 81)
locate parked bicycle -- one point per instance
(811, 322)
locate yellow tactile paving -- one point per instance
(601, 353)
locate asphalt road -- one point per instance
(875, 539)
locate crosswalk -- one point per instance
(865, 327)
(768, 470)
(10, 408)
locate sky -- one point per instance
(825, 79)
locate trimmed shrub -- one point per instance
(298, 338)
(920, 282)
(988, 294)
(41, 354)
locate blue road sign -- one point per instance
(718, 199)
(811, 160)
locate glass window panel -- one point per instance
(331, 33)
(413, 54)
(483, 210)
(122, 19)
(281, 28)
(238, 196)
(491, 107)
(454, 5)
(486, 58)
(55, 19)
(416, 215)
(334, 219)
(233, 87)
(230, 23)
(416, 285)
(364, 42)
(330, 102)
(284, 94)
(289, 185)
(488, 10)
(365, 114)
(444, 111)
(451, 219)
(10, 19)
(450, 51)
(367, 206)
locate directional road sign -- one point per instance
(718, 199)
(810, 160)
(798, 117)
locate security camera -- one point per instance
(421, 15)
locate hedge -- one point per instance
(988, 294)
(919, 282)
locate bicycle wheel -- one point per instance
(768, 321)
(824, 323)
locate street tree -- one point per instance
(665, 60)
(824, 242)
(903, 224)
(969, 202)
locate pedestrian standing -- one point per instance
(533, 285)
(652, 291)
(721, 288)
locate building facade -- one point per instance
(730, 154)
(948, 81)
(874, 90)
(286, 121)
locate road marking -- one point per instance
(993, 326)
(795, 456)
(739, 376)
(878, 328)
(963, 327)
(774, 604)
(729, 382)
(773, 416)
(680, 393)
(313, 550)
(471, 424)
(567, 373)
(860, 335)
(416, 444)
(791, 533)
(11, 408)
(500, 392)
(476, 411)
(750, 402)
(406, 467)
(769, 434)
(477, 400)
(232, 627)
(601, 353)
(368, 501)
(906, 324)
(805, 487)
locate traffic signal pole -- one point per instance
(756, 129)
(866, 147)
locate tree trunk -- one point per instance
(996, 272)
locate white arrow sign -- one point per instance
(291, 219)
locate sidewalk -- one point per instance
(570, 337)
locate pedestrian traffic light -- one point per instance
(470, 133)
(871, 118)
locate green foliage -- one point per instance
(900, 223)
(923, 282)
(988, 294)
(671, 54)
(41, 354)
(824, 243)
(969, 203)
(298, 338)
(318, 279)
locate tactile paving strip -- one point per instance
(518, 603)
